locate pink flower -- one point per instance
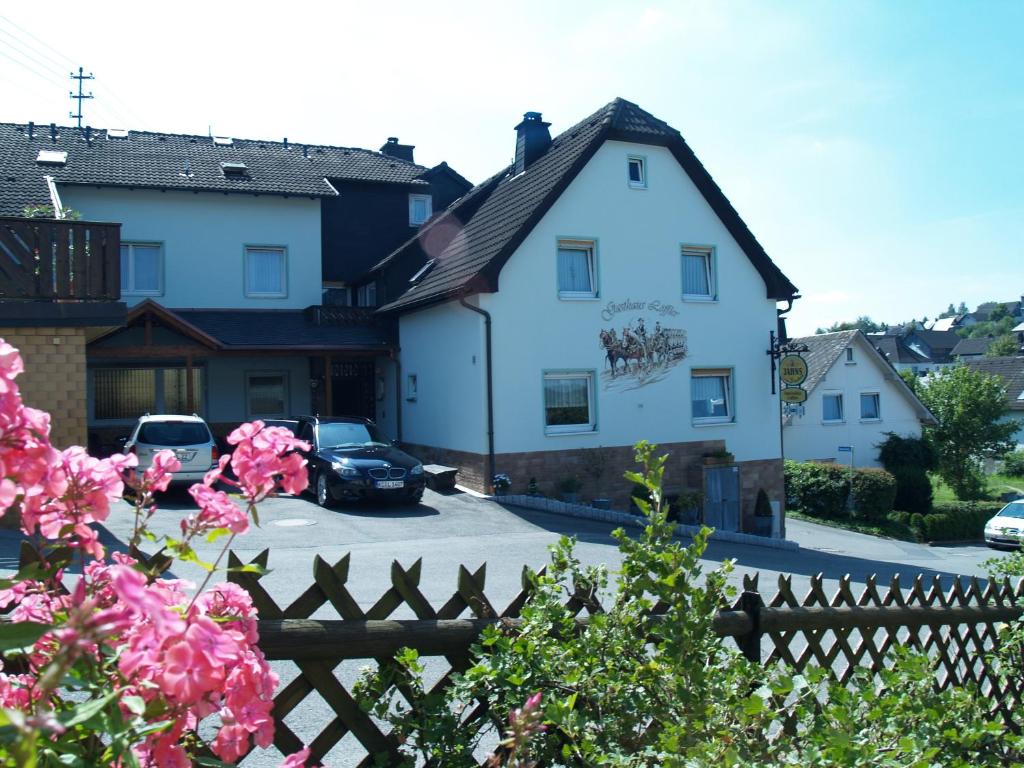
(161, 471)
(296, 760)
(216, 510)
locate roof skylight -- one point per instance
(422, 272)
(52, 156)
(223, 141)
(234, 169)
(117, 133)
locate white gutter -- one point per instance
(58, 208)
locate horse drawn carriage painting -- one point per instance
(637, 355)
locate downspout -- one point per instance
(490, 389)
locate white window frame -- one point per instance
(642, 162)
(283, 293)
(878, 405)
(570, 429)
(131, 290)
(285, 400)
(842, 408)
(730, 411)
(849, 356)
(413, 199)
(366, 295)
(710, 270)
(590, 248)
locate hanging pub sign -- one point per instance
(794, 395)
(793, 371)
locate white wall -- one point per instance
(387, 415)
(204, 236)
(226, 385)
(443, 346)
(807, 438)
(639, 235)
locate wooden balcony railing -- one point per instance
(59, 260)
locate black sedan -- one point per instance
(351, 459)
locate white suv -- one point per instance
(188, 436)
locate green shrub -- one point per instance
(819, 490)
(874, 491)
(1013, 463)
(909, 459)
(958, 520)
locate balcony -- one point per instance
(59, 260)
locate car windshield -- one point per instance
(1012, 509)
(342, 434)
(173, 433)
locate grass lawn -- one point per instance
(997, 486)
(887, 529)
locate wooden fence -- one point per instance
(855, 627)
(52, 259)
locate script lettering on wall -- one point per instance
(638, 349)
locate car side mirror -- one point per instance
(122, 440)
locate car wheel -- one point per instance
(323, 493)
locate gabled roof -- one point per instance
(177, 161)
(976, 346)
(824, 349)
(896, 350)
(507, 207)
(1010, 370)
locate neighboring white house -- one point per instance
(855, 397)
(600, 291)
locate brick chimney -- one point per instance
(393, 149)
(532, 140)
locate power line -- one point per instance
(56, 70)
(29, 69)
(68, 63)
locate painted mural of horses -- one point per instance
(613, 350)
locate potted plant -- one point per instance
(689, 507)
(718, 458)
(569, 488)
(533, 488)
(595, 463)
(762, 514)
(501, 483)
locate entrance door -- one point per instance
(352, 388)
(722, 498)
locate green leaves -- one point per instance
(21, 634)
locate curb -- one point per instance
(556, 507)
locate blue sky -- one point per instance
(873, 148)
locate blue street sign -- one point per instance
(847, 448)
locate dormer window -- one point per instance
(637, 169)
(420, 208)
(52, 157)
(234, 170)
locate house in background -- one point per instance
(916, 349)
(1011, 371)
(223, 250)
(855, 396)
(598, 291)
(971, 349)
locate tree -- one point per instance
(968, 405)
(950, 311)
(862, 323)
(1004, 346)
(962, 309)
(910, 379)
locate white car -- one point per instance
(188, 436)
(1007, 527)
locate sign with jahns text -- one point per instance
(793, 370)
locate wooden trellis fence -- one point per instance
(854, 627)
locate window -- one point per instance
(849, 355)
(869, 406)
(366, 295)
(832, 406)
(267, 395)
(711, 396)
(142, 272)
(577, 278)
(420, 208)
(127, 393)
(411, 387)
(637, 172)
(265, 273)
(698, 273)
(568, 403)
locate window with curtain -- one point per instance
(869, 406)
(265, 273)
(698, 273)
(267, 395)
(711, 395)
(141, 269)
(568, 402)
(832, 407)
(576, 270)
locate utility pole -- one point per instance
(71, 94)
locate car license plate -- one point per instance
(390, 483)
(184, 455)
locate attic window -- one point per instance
(849, 355)
(52, 156)
(117, 133)
(223, 141)
(637, 169)
(415, 279)
(234, 170)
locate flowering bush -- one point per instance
(123, 668)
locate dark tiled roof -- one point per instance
(250, 328)
(158, 161)
(823, 349)
(972, 346)
(939, 341)
(1010, 370)
(506, 208)
(895, 350)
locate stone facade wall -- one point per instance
(472, 466)
(54, 379)
(767, 474)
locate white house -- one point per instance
(854, 397)
(599, 291)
